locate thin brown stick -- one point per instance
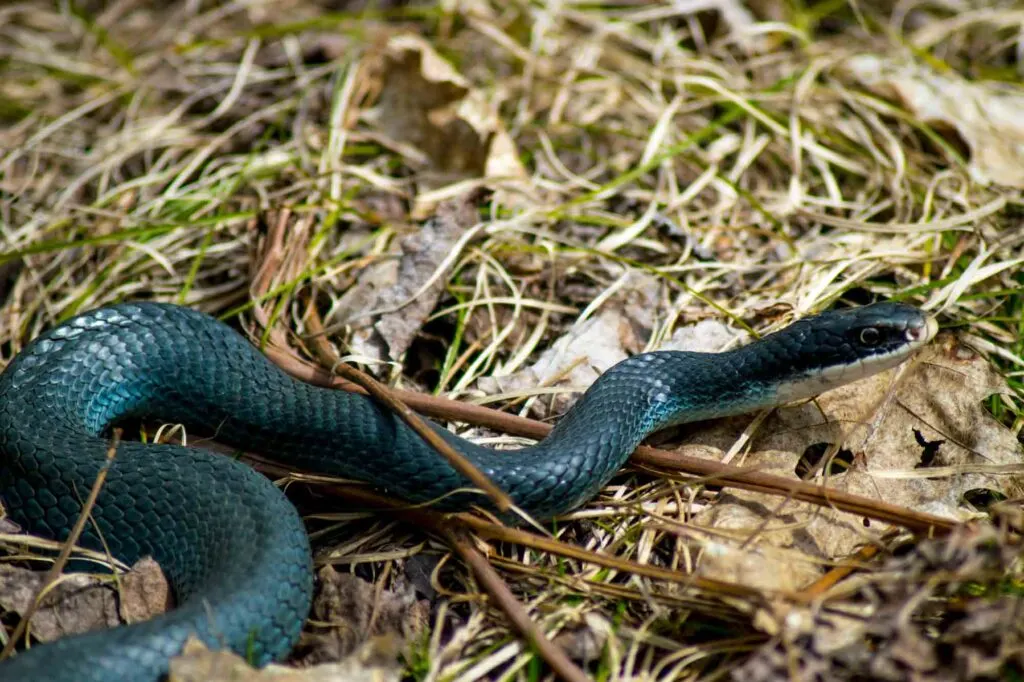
(722, 474)
(553, 546)
(492, 583)
(849, 566)
(456, 537)
(65, 550)
(387, 397)
(269, 263)
(438, 521)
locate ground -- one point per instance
(492, 202)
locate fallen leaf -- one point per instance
(705, 336)
(145, 592)
(376, 661)
(909, 619)
(391, 300)
(985, 115)
(431, 110)
(352, 612)
(771, 542)
(590, 348)
(80, 602)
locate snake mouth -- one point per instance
(921, 334)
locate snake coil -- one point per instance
(235, 550)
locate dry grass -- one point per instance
(141, 148)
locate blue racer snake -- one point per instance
(235, 550)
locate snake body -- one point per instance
(233, 547)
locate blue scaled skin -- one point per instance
(233, 547)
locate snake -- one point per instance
(234, 549)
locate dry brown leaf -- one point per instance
(375, 662)
(437, 119)
(352, 612)
(405, 289)
(706, 336)
(986, 115)
(80, 602)
(770, 542)
(890, 629)
(145, 592)
(615, 332)
(587, 350)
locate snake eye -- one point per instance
(870, 336)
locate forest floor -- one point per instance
(490, 203)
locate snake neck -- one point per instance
(665, 388)
(646, 393)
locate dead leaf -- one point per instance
(770, 542)
(910, 619)
(438, 120)
(985, 115)
(376, 661)
(590, 348)
(80, 602)
(356, 612)
(145, 592)
(405, 289)
(705, 336)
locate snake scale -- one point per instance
(234, 549)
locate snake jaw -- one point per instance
(920, 335)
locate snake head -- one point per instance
(840, 346)
(880, 333)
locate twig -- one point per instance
(387, 397)
(65, 550)
(722, 474)
(539, 542)
(492, 583)
(489, 579)
(850, 565)
(493, 531)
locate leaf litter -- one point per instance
(376, 661)
(663, 176)
(985, 115)
(433, 111)
(877, 420)
(387, 306)
(79, 602)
